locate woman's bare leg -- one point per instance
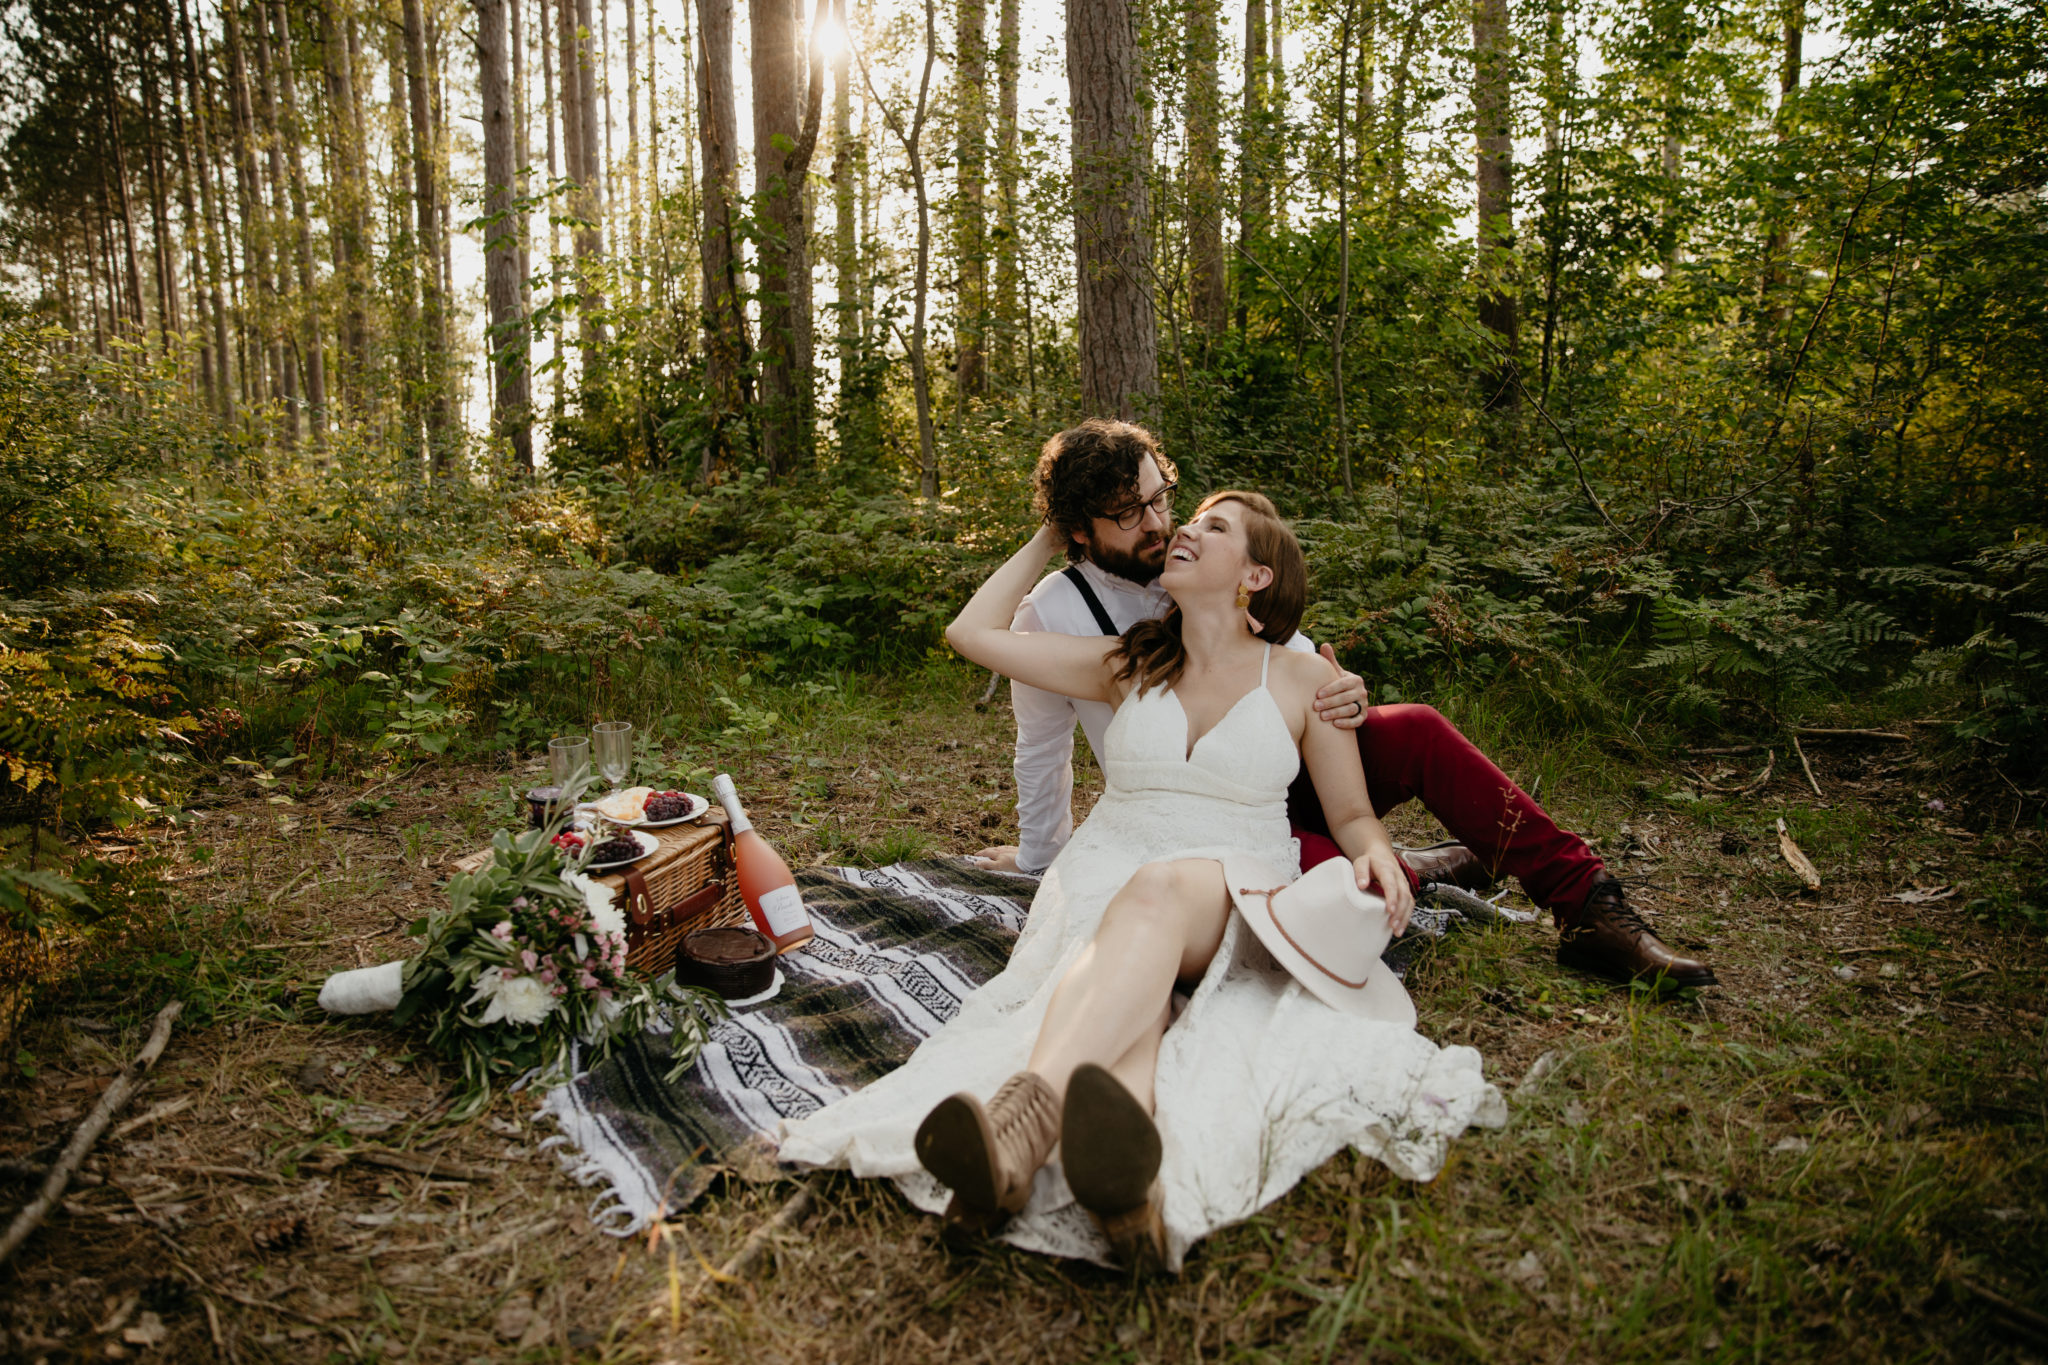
(1165, 925)
(1138, 1068)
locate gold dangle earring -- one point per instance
(1244, 597)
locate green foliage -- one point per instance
(22, 889)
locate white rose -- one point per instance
(605, 914)
(522, 1000)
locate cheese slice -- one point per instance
(629, 804)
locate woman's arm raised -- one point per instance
(1072, 665)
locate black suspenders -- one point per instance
(1080, 581)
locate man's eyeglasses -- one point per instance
(1127, 518)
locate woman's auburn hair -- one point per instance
(1153, 651)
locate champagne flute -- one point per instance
(569, 765)
(612, 741)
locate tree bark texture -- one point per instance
(1009, 241)
(507, 337)
(293, 133)
(970, 211)
(1208, 295)
(434, 375)
(726, 345)
(348, 203)
(1119, 331)
(783, 255)
(1492, 55)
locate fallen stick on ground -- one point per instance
(118, 1092)
(1808, 766)
(1859, 734)
(1796, 856)
(989, 693)
(155, 1112)
(757, 1241)
(2019, 1314)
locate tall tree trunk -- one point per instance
(522, 181)
(1491, 59)
(1208, 294)
(784, 110)
(1776, 213)
(912, 139)
(1343, 247)
(279, 218)
(1119, 331)
(1276, 117)
(434, 376)
(501, 232)
(970, 212)
(195, 227)
(111, 110)
(209, 219)
(1556, 208)
(258, 284)
(845, 236)
(168, 319)
(1009, 163)
(633, 140)
(726, 346)
(294, 135)
(580, 138)
(347, 197)
(1254, 185)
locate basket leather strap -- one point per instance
(699, 901)
(639, 903)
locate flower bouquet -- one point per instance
(527, 959)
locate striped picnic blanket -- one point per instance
(896, 950)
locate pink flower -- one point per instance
(502, 930)
(529, 959)
(586, 981)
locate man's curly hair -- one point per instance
(1089, 471)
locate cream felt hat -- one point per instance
(1329, 935)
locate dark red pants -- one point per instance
(1413, 753)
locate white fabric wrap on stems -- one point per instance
(364, 990)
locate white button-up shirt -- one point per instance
(1044, 766)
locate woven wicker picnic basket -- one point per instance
(687, 883)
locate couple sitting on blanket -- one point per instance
(1196, 1014)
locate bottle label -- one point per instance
(783, 909)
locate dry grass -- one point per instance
(1801, 1164)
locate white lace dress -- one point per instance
(1259, 1082)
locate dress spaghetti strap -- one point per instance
(1265, 663)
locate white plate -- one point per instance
(698, 805)
(648, 843)
(774, 989)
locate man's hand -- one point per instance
(1342, 700)
(1001, 858)
(1382, 870)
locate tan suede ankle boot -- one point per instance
(1111, 1152)
(987, 1155)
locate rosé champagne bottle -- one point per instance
(765, 882)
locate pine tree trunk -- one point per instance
(1009, 160)
(1254, 187)
(1119, 331)
(783, 256)
(209, 215)
(295, 137)
(434, 376)
(279, 219)
(633, 140)
(131, 256)
(726, 345)
(1491, 58)
(845, 235)
(168, 321)
(347, 202)
(195, 226)
(1208, 294)
(970, 213)
(1276, 119)
(501, 232)
(266, 382)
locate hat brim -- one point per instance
(1378, 995)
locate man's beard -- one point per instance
(1130, 564)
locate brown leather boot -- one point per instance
(1448, 864)
(1110, 1150)
(1609, 938)
(987, 1155)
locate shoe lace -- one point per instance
(1614, 905)
(1022, 1101)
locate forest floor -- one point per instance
(1837, 1154)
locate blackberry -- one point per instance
(615, 851)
